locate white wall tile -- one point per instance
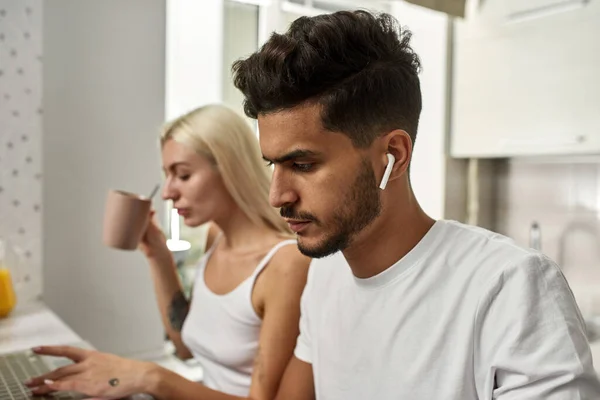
(21, 135)
(564, 199)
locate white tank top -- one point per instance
(222, 331)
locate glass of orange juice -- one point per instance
(8, 299)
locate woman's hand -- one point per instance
(154, 242)
(93, 373)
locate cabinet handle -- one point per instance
(543, 143)
(545, 10)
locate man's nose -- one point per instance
(281, 192)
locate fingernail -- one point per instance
(48, 381)
(36, 349)
(27, 382)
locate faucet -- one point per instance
(574, 226)
(535, 236)
(592, 319)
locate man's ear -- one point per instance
(398, 143)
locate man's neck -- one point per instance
(394, 234)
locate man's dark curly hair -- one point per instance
(358, 66)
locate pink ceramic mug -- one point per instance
(126, 217)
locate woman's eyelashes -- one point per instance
(183, 177)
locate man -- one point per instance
(407, 307)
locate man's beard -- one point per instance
(356, 211)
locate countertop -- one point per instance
(34, 324)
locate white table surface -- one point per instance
(35, 324)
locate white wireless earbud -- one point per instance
(388, 171)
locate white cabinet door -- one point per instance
(526, 79)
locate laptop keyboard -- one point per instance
(15, 369)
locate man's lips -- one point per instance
(297, 225)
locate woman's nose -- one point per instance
(168, 191)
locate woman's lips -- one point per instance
(184, 212)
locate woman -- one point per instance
(243, 318)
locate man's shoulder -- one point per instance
(480, 247)
(480, 256)
(463, 235)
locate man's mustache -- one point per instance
(290, 213)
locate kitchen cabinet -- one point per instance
(526, 79)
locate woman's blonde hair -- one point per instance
(226, 139)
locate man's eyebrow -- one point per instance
(292, 155)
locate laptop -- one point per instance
(17, 367)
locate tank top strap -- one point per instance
(265, 261)
(201, 265)
(214, 244)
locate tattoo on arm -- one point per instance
(178, 310)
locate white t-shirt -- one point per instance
(466, 314)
